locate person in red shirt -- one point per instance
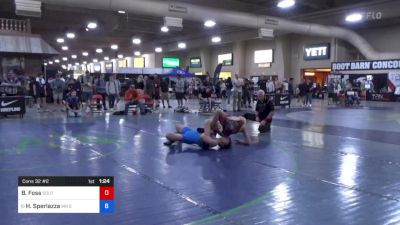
(132, 97)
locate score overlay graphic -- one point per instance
(44, 194)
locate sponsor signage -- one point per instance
(12, 105)
(384, 97)
(282, 100)
(195, 62)
(317, 52)
(366, 65)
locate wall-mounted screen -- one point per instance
(138, 62)
(170, 62)
(225, 59)
(263, 56)
(195, 62)
(225, 75)
(109, 67)
(122, 63)
(97, 67)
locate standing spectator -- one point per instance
(229, 87)
(180, 91)
(218, 89)
(262, 83)
(207, 82)
(164, 86)
(237, 92)
(140, 83)
(223, 89)
(112, 91)
(302, 92)
(87, 88)
(58, 87)
(246, 93)
(309, 92)
(101, 89)
(270, 86)
(156, 94)
(291, 91)
(40, 93)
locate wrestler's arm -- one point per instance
(212, 142)
(247, 139)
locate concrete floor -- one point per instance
(320, 166)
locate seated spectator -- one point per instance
(73, 104)
(131, 97)
(264, 112)
(205, 98)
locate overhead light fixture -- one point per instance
(64, 67)
(209, 23)
(106, 58)
(286, 4)
(84, 62)
(85, 53)
(64, 58)
(77, 64)
(354, 17)
(73, 56)
(182, 45)
(95, 60)
(164, 29)
(57, 61)
(92, 25)
(121, 12)
(70, 35)
(50, 62)
(136, 41)
(60, 40)
(114, 47)
(87, 29)
(137, 53)
(65, 48)
(309, 74)
(216, 39)
(99, 50)
(45, 64)
(158, 49)
(120, 56)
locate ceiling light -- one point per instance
(286, 4)
(87, 29)
(64, 58)
(182, 45)
(164, 29)
(95, 60)
(45, 64)
(92, 25)
(120, 56)
(99, 50)
(354, 17)
(85, 53)
(50, 62)
(114, 47)
(137, 53)
(158, 49)
(216, 39)
(121, 12)
(106, 58)
(64, 67)
(84, 62)
(65, 48)
(73, 56)
(136, 41)
(57, 61)
(77, 64)
(70, 35)
(60, 40)
(209, 23)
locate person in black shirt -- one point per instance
(264, 112)
(229, 87)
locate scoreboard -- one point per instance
(65, 194)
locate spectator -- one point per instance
(237, 92)
(180, 91)
(291, 90)
(112, 91)
(164, 86)
(205, 98)
(156, 94)
(229, 87)
(246, 93)
(309, 93)
(58, 87)
(223, 89)
(73, 104)
(140, 83)
(87, 87)
(270, 87)
(302, 92)
(101, 89)
(262, 83)
(264, 112)
(131, 97)
(40, 92)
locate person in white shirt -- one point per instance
(270, 87)
(237, 91)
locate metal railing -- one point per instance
(15, 26)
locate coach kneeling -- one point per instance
(264, 112)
